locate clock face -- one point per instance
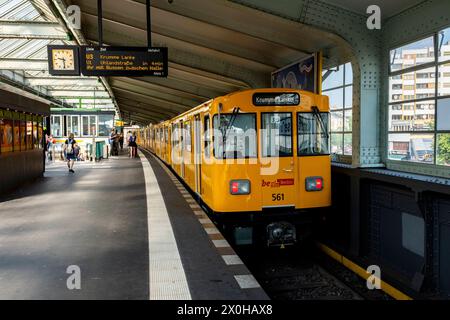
(63, 59)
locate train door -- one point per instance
(279, 169)
(175, 148)
(197, 153)
(169, 145)
(182, 147)
(164, 143)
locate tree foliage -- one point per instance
(443, 149)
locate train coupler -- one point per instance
(281, 234)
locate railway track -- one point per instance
(287, 275)
(302, 273)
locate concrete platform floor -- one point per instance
(97, 219)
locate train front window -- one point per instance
(313, 137)
(238, 133)
(276, 134)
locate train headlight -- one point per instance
(314, 183)
(239, 187)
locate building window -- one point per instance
(73, 125)
(105, 125)
(419, 107)
(89, 126)
(56, 126)
(337, 84)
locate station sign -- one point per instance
(276, 99)
(124, 61)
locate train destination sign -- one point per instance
(124, 61)
(276, 99)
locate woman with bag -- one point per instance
(69, 151)
(132, 145)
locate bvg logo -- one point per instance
(277, 183)
(272, 184)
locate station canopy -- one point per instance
(26, 28)
(215, 47)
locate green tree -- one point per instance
(443, 149)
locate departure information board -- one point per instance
(124, 61)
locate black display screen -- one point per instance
(124, 61)
(276, 99)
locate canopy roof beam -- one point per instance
(13, 29)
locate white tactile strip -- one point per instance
(222, 243)
(232, 259)
(245, 281)
(212, 231)
(166, 273)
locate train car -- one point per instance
(258, 160)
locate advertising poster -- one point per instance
(29, 135)
(16, 136)
(35, 135)
(23, 126)
(302, 75)
(7, 135)
(40, 134)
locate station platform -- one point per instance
(130, 227)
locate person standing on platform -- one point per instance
(121, 141)
(132, 145)
(116, 143)
(69, 151)
(128, 138)
(112, 138)
(49, 147)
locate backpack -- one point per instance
(69, 149)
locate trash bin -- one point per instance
(99, 146)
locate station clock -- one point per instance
(63, 60)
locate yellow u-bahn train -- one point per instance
(253, 158)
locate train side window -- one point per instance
(174, 135)
(187, 138)
(180, 127)
(206, 135)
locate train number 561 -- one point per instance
(277, 196)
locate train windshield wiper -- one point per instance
(227, 129)
(320, 120)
